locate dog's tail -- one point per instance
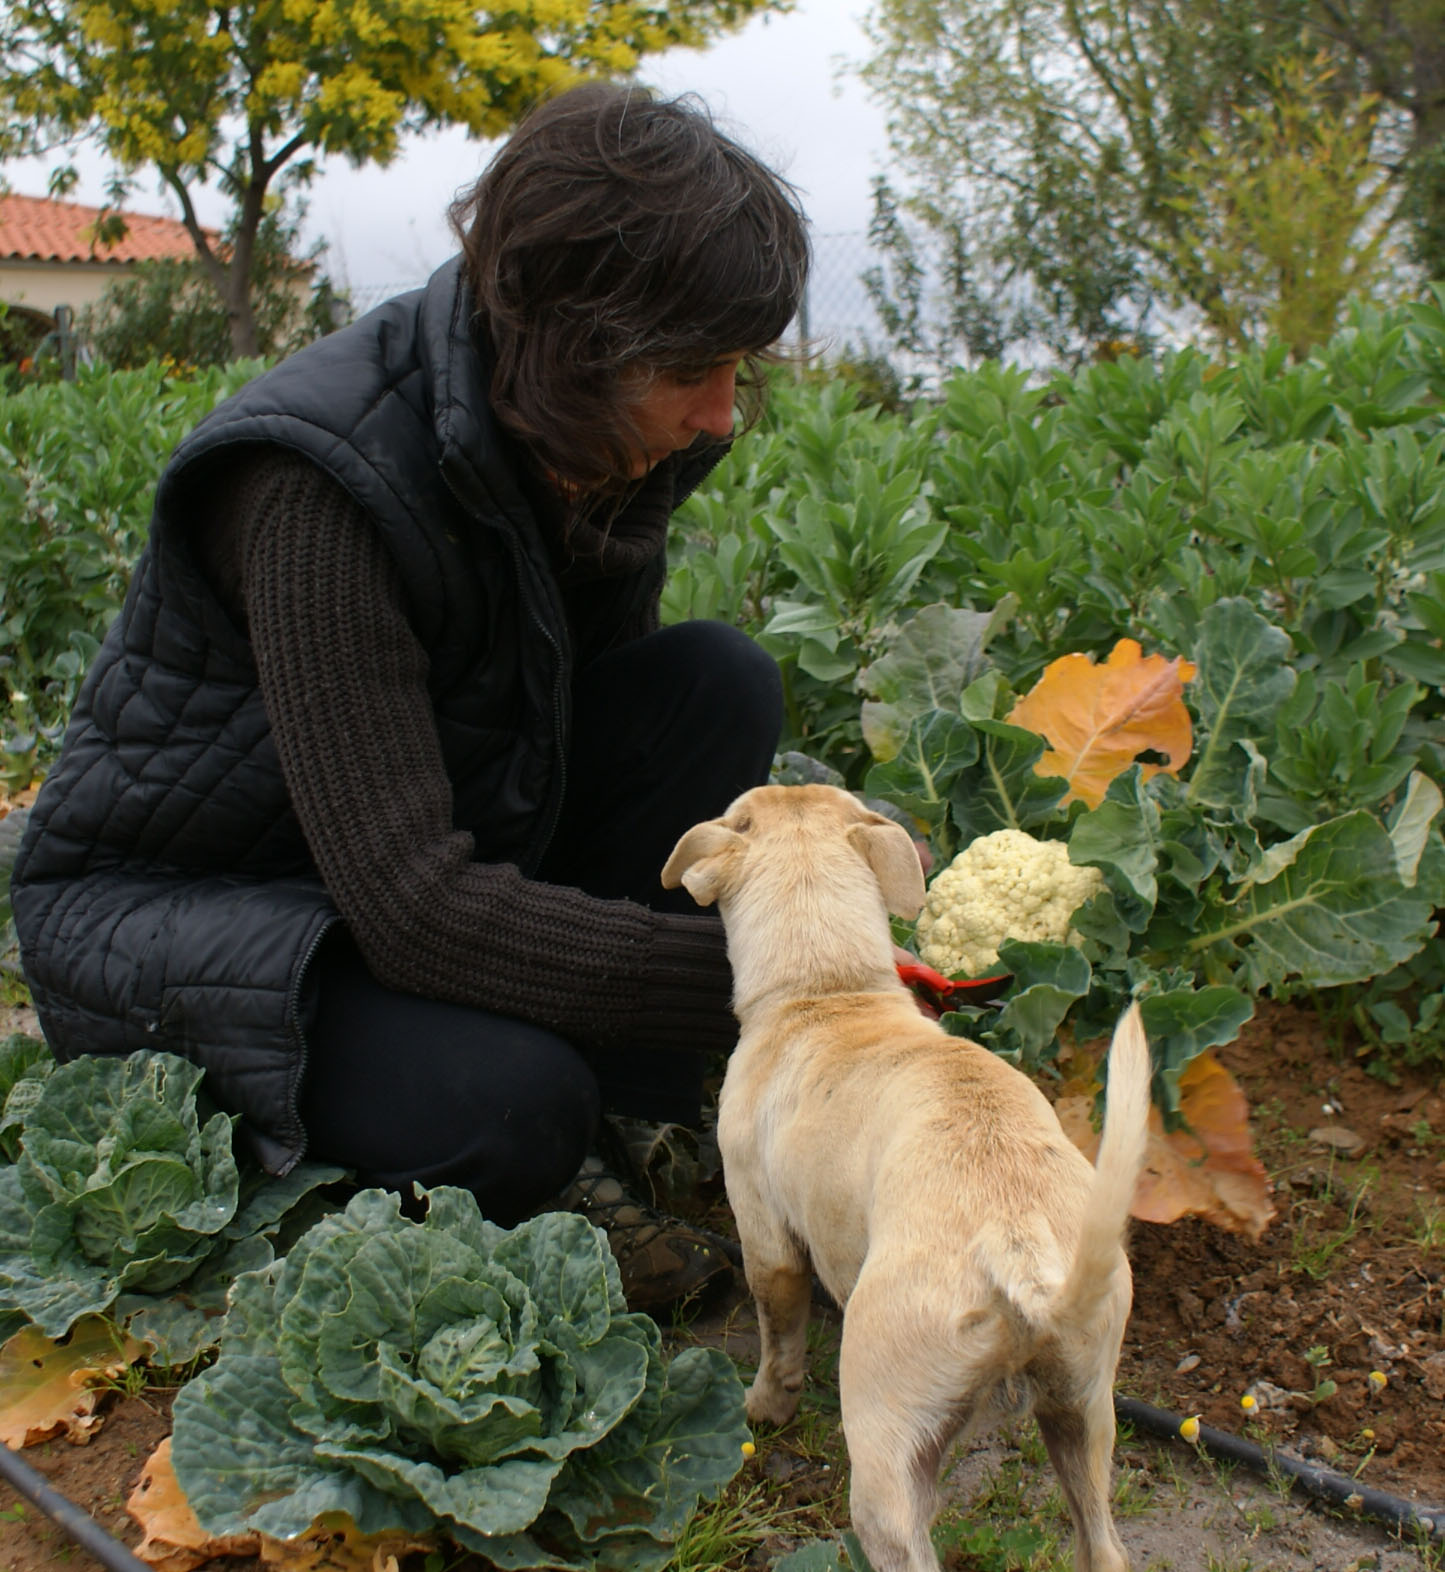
(1116, 1173)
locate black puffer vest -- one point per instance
(164, 894)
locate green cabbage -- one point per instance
(120, 1193)
(25, 1064)
(452, 1374)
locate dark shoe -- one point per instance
(664, 1263)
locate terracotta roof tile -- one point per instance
(41, 229)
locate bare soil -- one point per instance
(1348, 1279)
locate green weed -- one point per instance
(724, 1531)
(1314, 1252)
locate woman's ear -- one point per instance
(699, 861)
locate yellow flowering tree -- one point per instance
(248, 93)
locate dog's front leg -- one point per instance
(783, 1295)
(780, 1277)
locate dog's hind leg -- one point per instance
(1080, 1441)
(902, 1406)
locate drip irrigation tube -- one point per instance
(81, 1527)
(1323, 1483)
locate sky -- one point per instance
(775, 85)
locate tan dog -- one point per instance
(978, 1255)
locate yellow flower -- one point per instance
(1378, 1380)
(748, 1449)
(1249, 1402)
(1189, 1429)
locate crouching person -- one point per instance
(364, 801)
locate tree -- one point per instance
(249, 93)
(1287, 222)
(1399, 48)
(167, 309)
(1069, 140)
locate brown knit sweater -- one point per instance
(343, 678)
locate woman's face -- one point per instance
(673, 407)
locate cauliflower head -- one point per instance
(1006, 885)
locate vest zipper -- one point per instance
(298, 1037)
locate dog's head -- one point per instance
(776, 830)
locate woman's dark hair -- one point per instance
(614, 236)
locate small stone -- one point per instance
(1339, 1138)
(1190, 1306)
(1188, 1363)
(1270, 1396)
(1432, 1372)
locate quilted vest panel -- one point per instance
(163, 894)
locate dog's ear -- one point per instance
(889, 851)
(697, 860)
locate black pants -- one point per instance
(666, 731)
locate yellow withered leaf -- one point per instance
(174, 1541)
(51, 1388)
(1208, 1170)
(1098, 719)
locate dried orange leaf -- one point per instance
(1098, 719)
(174, 1541)
(19, 799)
(1208, 1170)
(333, 1543)
(49, 1388)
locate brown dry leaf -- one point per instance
(174, 1541)
(1098, 719)
(1208, 1170)
(333, 1543)
(19, 799)
(48, 1387)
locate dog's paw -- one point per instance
(770, 1404)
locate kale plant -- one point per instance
(449, 1374)
(123, 1189)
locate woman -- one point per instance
(364, 801)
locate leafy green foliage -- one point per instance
(1281, 525)
(122, 1188)
(78, 467)
(12, 826)
(449, 1371)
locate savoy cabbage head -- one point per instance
(123, 1187)
(452, 1374)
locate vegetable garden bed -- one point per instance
(1354, 1266)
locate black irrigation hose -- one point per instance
(81, 1526)
(1322, 1483)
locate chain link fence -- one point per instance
(837, 313)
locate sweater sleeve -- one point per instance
(343, 677)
